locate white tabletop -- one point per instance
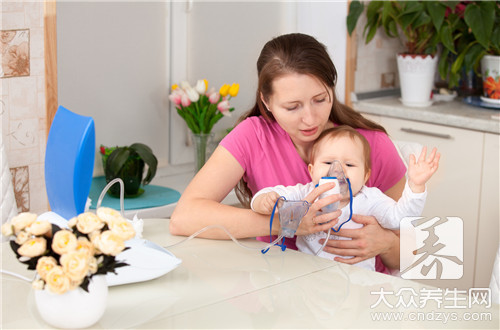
(221, 285)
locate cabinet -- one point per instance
(489, 210)
(466, 186)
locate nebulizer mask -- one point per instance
(342, 187)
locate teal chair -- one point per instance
(69, 162)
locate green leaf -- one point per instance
(473, 56)
(149, 158)
(447, 38)
(437, 11)
(495, 40)
(214, 120)
(420, 20)
(480, 18)
(355, 10)
(371, 32)
(373, 8)
(116, 160)
(457, 65)
(443, 63)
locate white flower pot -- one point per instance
(490, 71)
(416, 77)
(76, 308)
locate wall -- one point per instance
(113, 66)
(376, 66)
(22, 101)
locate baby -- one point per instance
(347, 146)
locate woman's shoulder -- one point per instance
(376, 139)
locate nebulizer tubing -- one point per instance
(234, 239)
(122, 194)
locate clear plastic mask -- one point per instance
(336, 171)
(290, 214)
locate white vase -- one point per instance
(76, 308)
(416, 78)
(490, 71)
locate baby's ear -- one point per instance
(310, 169)
(367, 175)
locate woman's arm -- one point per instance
(200, 204)
(396, 191)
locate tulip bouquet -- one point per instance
(65, 259)
(201, 107)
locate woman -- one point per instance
(295, 102)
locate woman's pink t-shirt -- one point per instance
(269, 158)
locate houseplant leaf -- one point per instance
(355, 10)
(148, 157)
(480, 18)
(116, 160)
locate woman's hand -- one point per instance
(365, 242)
(313, 223)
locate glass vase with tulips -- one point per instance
(201, 108)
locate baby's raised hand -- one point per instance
(420, 172)
(264, 203)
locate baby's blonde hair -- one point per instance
(339, 131)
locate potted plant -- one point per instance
(419, 25)
(473, 38)
(128, 163)
(70, 288)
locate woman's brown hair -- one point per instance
(302, 54)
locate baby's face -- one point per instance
(349, 152)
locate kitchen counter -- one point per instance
(455, 113)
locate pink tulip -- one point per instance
(185, 101)
(213, 97)
(175, 97)
(223, 107)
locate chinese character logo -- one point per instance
(431, 248)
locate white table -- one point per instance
(221, 285)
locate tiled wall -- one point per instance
(22, 100)
(376, 66)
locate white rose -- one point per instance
(122, 228)
(38, 284)
(33, 248)
(22, 237)
(84, 245)
(7, 229)
(44, 265)
(39, 227)
(93, 266)
(88, 222)
(108, 214)
(20, 221)
(57, 281)
(75, 265)
(110, 243)
(72, 222)
(63, 242)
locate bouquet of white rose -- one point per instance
(67, 258)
